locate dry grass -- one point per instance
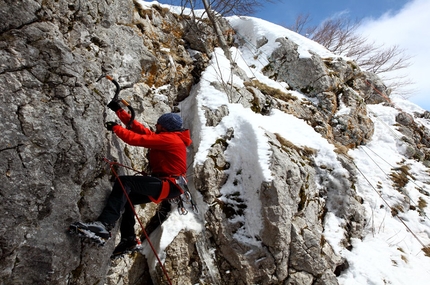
(286, 145)
(399, 176)
(274, 92)
(422, 203)
(426, 250)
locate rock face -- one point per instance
(54, 140)
(53, 143)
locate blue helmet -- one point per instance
(171, 122)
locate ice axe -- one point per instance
(115, 98)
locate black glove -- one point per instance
(114, 105)
(109, 125)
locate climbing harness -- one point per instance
(116, 99)
(111, 164)
(181, 182)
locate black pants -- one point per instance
(138, 189)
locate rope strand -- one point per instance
(111, 163)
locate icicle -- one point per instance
(172, 67)
(208, 259)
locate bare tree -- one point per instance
(340, 36)
(301, 25)
(218, 32)
(226, 7)
(217, 8)
(235, 7)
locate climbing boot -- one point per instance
(126, 245)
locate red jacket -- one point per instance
(167, 150)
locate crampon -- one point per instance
(82, 232)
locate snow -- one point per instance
(254, 29)
(162, 237)
(391, 250)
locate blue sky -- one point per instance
(404, 23)
(284, 13)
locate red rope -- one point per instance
(111, 163)
(125, 166)
(379, 92)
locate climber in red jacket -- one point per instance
(167, 161)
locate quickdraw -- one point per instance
(115, 98)
(184, 197)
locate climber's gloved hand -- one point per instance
(109, 125)
(114, 105)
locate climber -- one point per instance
(167, 161)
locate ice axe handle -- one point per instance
(131, 112)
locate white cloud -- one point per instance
(409, 29)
